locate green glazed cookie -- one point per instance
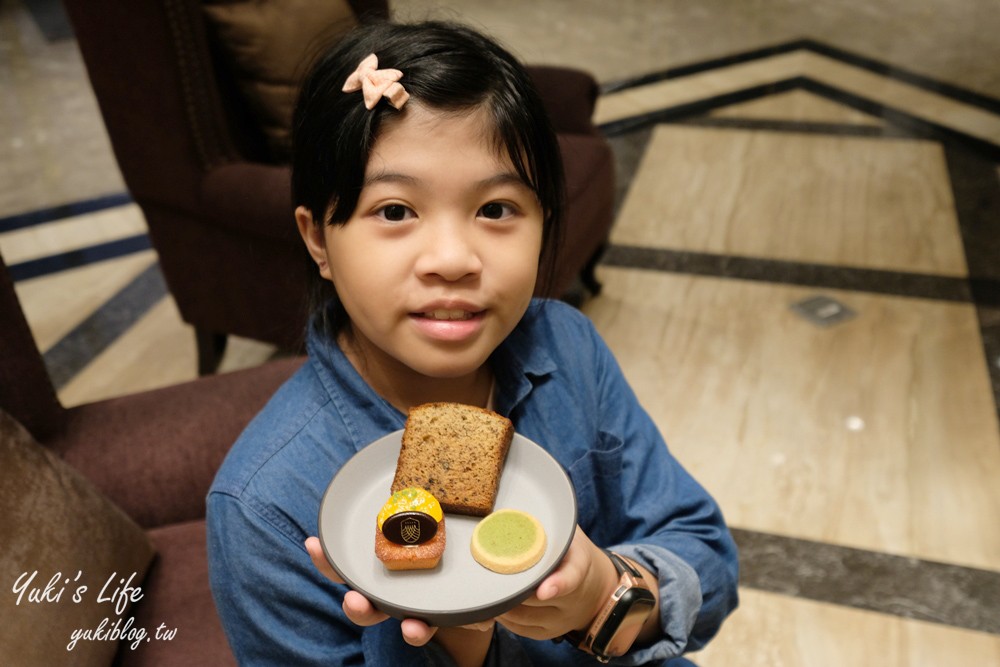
(508, 541)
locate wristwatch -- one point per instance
(618, 623)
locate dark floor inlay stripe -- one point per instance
(798, 127)
(44, 215)
(794, 273)
(81, 257)
(905, 124)
(698, 107)
(703, 66)
(104, 326)
(953, 595)
(976, 187)
(51, 19)
(902, 119)
(628, 150)
(963, 95)
(989, 328)
(957, 93)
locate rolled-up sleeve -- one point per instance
(274, 605)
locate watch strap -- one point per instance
(628, 575)
(623, 565)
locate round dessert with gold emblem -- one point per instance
(409, 530)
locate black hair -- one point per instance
(446, 67)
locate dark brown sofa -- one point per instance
(215, 196)
(154, 455)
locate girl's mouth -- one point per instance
(449, 324)
(448, 314)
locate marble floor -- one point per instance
(803, 286)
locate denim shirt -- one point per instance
(562, 388)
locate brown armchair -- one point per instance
(215, 197)
(154, 456)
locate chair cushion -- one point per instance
(155, 453)
(177, 595)
(268, 45)
(57, 529)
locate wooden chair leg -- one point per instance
(588, 273)
(211, 347)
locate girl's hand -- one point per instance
(569, 598)
(357, 607)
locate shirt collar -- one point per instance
(522, 361)
(366, 416)
(519, 364)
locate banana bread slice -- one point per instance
(457, 452)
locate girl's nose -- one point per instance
(449, 251)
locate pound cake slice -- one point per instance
(456, 452)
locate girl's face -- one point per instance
(439, 260)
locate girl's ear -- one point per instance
(315, 240)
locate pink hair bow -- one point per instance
(375, 83)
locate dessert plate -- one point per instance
(459, 590)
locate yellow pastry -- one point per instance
(410, 531)
(411, 499)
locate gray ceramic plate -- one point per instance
(459, 590)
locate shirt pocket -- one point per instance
(597, 480)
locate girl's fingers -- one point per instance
(360, 610)
(416, 633)
(315, 550)
(551, 587)
(567, 577)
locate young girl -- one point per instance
(427, 181)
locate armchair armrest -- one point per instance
(155, 453)
(251, 198)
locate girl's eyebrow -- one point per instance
(389, 177)
(501, 178)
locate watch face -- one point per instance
(624, 623)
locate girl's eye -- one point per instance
(394, 213)
(496, 211)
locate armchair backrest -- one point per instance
(153, 59)
(26, 392)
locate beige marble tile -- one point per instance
(879, 433)
(159, 350)
(55, 304)
(923, 104)
(852, 201)
(71, 233)
(672, 92)
(770, 630)
(53, 145)
(951, 41)
(798, 106)
(245, 353)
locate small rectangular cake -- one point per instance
(457, 452)
(423, 556)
